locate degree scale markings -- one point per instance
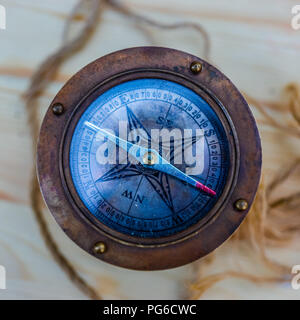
(189, 206)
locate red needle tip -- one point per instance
(202, 187)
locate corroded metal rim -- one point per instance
(54, 173)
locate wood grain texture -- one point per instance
(252, 43)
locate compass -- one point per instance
(149, 158)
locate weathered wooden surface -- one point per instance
(252, 43)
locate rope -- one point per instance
(41, 78)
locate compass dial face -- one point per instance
(134, 199)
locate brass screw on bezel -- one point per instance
(196, 67)
(241, 205)
(58, 109)
(99, 248)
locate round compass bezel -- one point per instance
(57, 184)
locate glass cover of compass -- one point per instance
(153, 118)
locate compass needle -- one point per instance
(160, 165)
